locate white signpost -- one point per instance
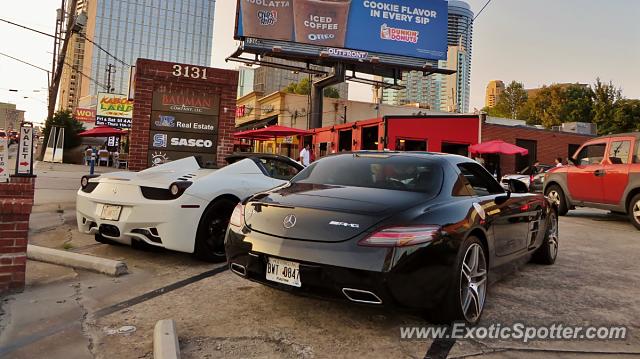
(4, 158)
(24, 157)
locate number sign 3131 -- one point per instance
(193, 72)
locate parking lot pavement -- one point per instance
(220, 315)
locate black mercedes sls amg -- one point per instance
(413, 230)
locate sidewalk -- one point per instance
(60, 313)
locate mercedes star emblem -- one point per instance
(289, 221)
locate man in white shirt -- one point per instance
(304, 155)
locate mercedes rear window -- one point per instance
(394, 172)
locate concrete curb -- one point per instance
(165, 340)
(77, 260)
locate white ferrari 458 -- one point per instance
(178, 205)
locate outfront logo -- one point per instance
(160, 140)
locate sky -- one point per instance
(535, 42)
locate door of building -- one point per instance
(529, 159)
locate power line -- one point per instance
(480, 12)
(79, 34)
(101, 48)
(28, 28)
(25, 62)
(47, 71)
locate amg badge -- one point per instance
(344, 224)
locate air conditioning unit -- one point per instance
(583, 128)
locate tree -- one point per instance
(71, 127)
(304, 88)
(626, 116)
(510, 103)
(331, 92)
(605, 97)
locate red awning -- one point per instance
(271, 132)
(102, 131)
(497, 146)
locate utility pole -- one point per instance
(60, 51)
(110, 70)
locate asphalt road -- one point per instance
(220, 315)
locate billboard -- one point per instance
(87, 115)
(412, 28)
(114, 110)
(183, 123)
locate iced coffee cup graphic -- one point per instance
(267, 19)
(321, 22)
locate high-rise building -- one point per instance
(271, 79)
(72, 75)
(165, 30)
(494, 90)
(448, 93)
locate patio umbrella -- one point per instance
(102, 131)
(497, 147)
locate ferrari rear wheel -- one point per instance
(209, 244)
(556, 195)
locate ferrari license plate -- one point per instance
(110, 213)
(284, 272)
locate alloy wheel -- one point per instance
(473, 282)
(552, 235)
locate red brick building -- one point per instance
(449, 134)
(181, 110)
(543, 145)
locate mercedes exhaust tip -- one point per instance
(238, 269)
(361, 296)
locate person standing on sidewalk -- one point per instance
(305, 155)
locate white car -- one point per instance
(178, 205)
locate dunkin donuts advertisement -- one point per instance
(413, 28)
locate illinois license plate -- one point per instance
(110, 213)
(284, 272)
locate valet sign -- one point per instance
(24, 158)
(4, 175)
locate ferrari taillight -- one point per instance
(237, 217)
(401, 236)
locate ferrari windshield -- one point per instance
(395, 172)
